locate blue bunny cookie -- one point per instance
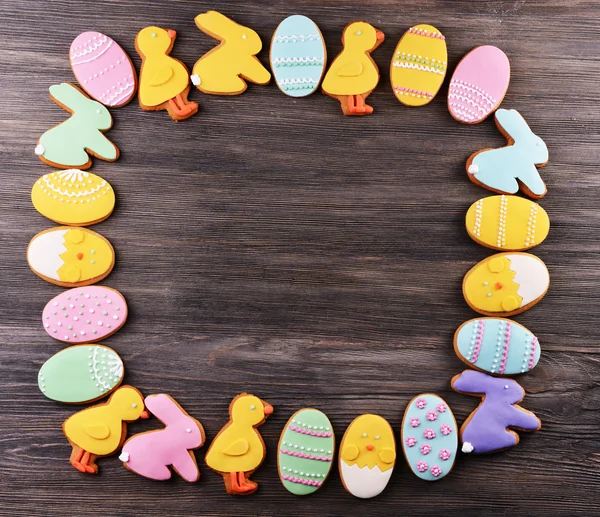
(70, 144)
(515, 166)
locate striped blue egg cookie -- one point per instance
(298, 56)
(497, 346)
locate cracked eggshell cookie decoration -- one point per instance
(81, 374)
(238, 449)
(85, 314)
(225, 69)
(506, 284)
(478, 84)
(164, 80)
(70, 143)
(150, 454)
(507, 223)
(100, 430)
(487, 428)
(73, 197)
(298, 56)
(103, 69)
(506, 169)
(419, 65)
(306, 450)
(353, 75)
(70, 257)
(367, 456)
(429, 437)
(497, 346)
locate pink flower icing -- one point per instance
(445, 454)
(429, 433)
(425, 448)
(422, 466)
(421, 403)
(441, 407)
(431, 416)
(411, 441)
(445, 429)
(415, 422)
(436, 471)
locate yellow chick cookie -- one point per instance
(367, 456)
(70, 256)
(164, 80)
(506, 284)
(353, 75)
(100, 430)
(222, 70)
(238, 450)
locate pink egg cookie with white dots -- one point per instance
(85, 314)
(103, 69)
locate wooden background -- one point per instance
(272, 245)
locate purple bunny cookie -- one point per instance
(487, 428)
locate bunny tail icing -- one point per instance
(124, 457)
(40, 150)
(467, 448)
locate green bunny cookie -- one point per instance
(70, 144)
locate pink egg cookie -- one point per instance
(85, 314)
(478, 84)
(103, 69)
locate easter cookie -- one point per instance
(103, 69)
(497, 346)
(306, 449)
(367, 456)
(487, 429)
(507, 223)
(164, 80)
(73, 197)
(100, 430)
(506, 284)
(238, 449)
(298, 56)
(429, 437)
(71, 257)
(353, 75)
(150, 454)
(506, 169)
(70, 144)
(478, 84)
(225, 69)
(81, 374)
(85, 314)
(419, 65)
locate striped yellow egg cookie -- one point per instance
(419, 65)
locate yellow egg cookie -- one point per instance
(419, 65)
(506, 284)
(73, 197)
(70, 256)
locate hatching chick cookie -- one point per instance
(70, 257)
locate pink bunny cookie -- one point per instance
(151, 453)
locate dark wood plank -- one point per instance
(272, 245)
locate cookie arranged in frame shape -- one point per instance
(507, 223)
(298, 56)
(506, 284)
(238, 449)
(100, 430)
(73, 197)
(150, 454)
(353, 74)
(367, 456)
(225, 69)
(103, 69)
(164, 80)
(429, 437)
(489, 428)
(71, 143)
(507, 169)
(306, 449)
(419, 65)
(81, 374)
(70, 256)
(497, 346)
(479, 84)
(85, 314)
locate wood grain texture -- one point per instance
(272, 245)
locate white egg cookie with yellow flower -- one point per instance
(70, 257)
(367, 456)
